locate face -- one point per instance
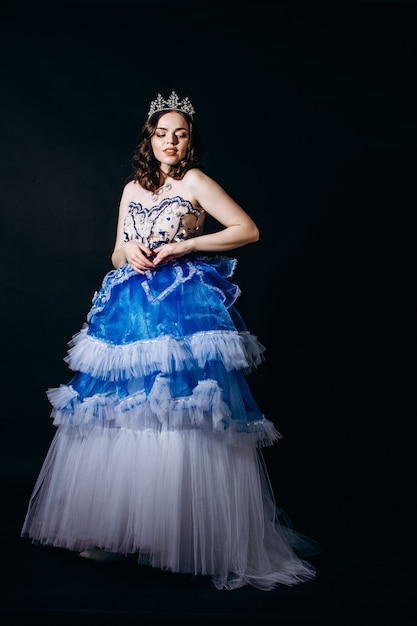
(170, 140)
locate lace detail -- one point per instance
(173, 219)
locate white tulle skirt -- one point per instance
(182, 501)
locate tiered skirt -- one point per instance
(157, 452)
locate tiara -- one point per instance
(173, 103)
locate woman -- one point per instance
(157, 449)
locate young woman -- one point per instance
(157, 452)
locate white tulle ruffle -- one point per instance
(204, 409)
(236, 350)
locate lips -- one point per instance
(170, 152)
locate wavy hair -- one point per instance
(146, 168)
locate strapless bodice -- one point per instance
(173, 219)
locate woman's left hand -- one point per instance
(170, 251)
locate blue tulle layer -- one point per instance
(166, 350)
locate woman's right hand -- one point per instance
(138, 256)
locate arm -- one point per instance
(131, 252)
(239, 229)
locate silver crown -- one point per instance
(173, 103)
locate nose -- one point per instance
(172, 139)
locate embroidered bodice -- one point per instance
(173, 219)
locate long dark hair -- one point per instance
(146, 168)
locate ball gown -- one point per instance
(158, 446)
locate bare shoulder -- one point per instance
(195, 177)
(197, 182)
(130, 190)
(198, 188)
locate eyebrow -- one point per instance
(163, 128)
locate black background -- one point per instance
(308, 115)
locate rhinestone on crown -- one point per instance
(173, 103)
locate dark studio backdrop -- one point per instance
(308, 115)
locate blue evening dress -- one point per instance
(157, 451)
